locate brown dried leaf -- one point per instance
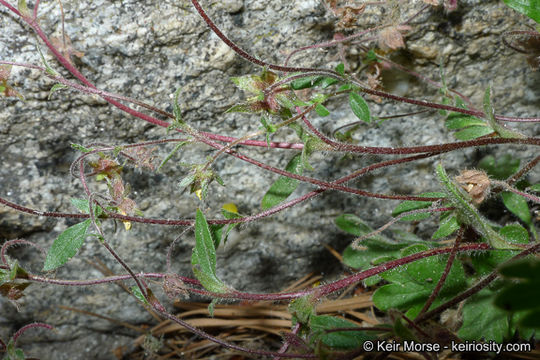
(476, 183)
(391, 38)
(63, 44)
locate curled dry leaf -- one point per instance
(476, 183)
(174, 287)
(391, 38)
(66, 48)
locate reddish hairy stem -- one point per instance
(445, 273)
(338, 285)
(319, 291)
(14, 242)
(105, 280)
(28, 327)
(246, 219)
(242, 52)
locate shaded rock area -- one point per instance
(147, 50)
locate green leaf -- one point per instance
(187, 180)
(535, 187)
(501, 168)
(522, 269)
(80, 148)
(459, 121)
(326, 82)
(13, 353)
(521, 296)
(242, 108)
(410, 205)
(531, 320)
(138, 294)
(340, 69)
(248, 83)
(447, 227)
(66, 245)
(374, 249)
(302, 309)
(23, 8)
(305, 83)
(359, 107)
(530, 8)
(401, 296)
(83, 206)
(501, 130)
(339, 339)
(321, 110)
(473, 132)
(203, 258)
(483, 320)
(517, 206)
(54, 88)
(411, 285)
(515, 233)
(352, 224)
(284, 186)
(171, 154)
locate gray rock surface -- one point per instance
(147, 50)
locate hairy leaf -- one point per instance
(66, 245)
(359, 107)
(203, 258)
(284, 186)
(319, 325)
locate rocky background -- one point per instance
(146, 50)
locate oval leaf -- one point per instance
(283, 186)
(359, 107)
(518, 206)
(66, 245)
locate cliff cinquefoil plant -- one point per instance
(475, 269)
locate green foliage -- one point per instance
(302, 309)
(66, 245)
(359, 107)
(13, 353)
(521, 298)
(530, 8)
(410, 205)
(313, 81)
(410, 286)
(375, 250)
(467, 213)
(199, 179)
(55, 88)
(320, 324)
(218, 235)
(518, 206)
(171, 154)
(501, 130)
(284, 186)
(499, 168)
(467, 127)
(482, 320)
(138, 294)
(447, 226)
(203, 258)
